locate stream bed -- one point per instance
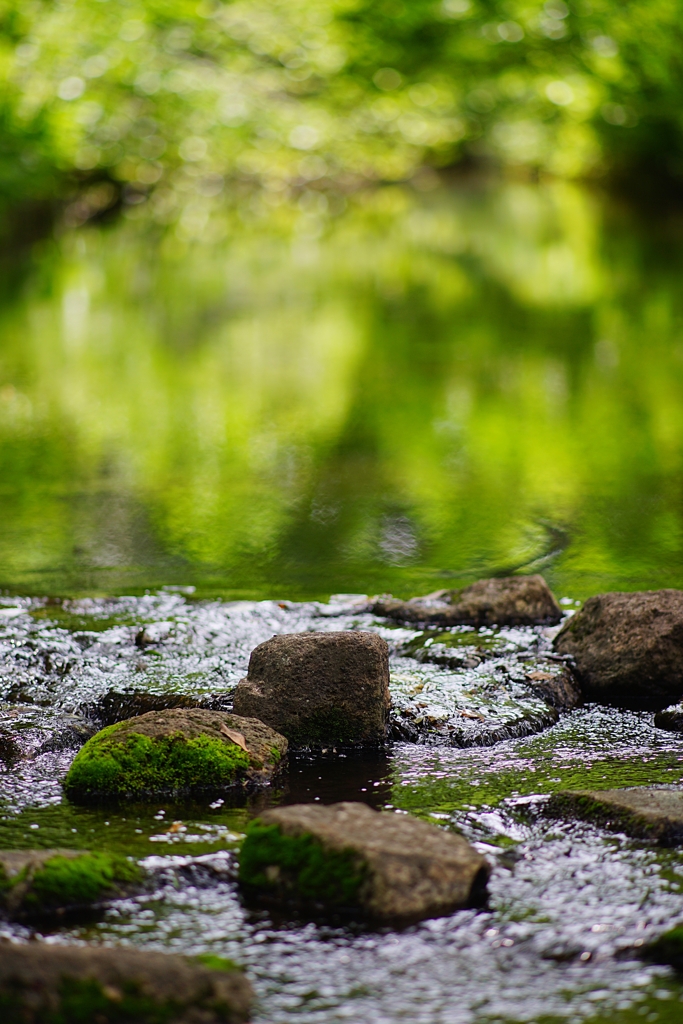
(569, 905)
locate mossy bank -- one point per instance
(43, 882)
(175, 752)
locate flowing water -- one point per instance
(205, 443)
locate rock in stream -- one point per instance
(347, 857)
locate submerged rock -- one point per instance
(319, 688)
(513, 601)
(349, 858)
(645, 812)
(175, 752)
(85, 984)
(35, 883)
(628, 648)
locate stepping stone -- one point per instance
(510, 601)
(351, 859)
(180, 751)
(628, 648)
(35, 883)
(83, 985)
(645, 812)
(320, 689)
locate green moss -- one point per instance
(272, 860)
(108, 766)
(217, 963)
(588, 808)
(85, 1001)
(78, 881)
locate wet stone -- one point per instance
(320, 688)
(175, 752)
(82, 985)
(645, 812)
(670, 718)
(36, 883)
(628, 648)
(10, 751)
(514, 601)
(349, 858)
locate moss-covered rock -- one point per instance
(175, 752)
(645, 812)
(40, 882)
(320, 689)
(349, 858)
(46, 984)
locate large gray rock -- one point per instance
(319, 689)
(511, 601)
(84, 984)
(628, 648)
(645, 812)
(347, 857)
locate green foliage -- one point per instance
(186, 102)
(64, 881)
(110, 767)
(299, 865)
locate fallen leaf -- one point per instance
(236, 737)
(539, 677)
(177, 826)
(472, 714)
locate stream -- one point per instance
(569, 905)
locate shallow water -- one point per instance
(569, 905)
(429, 390)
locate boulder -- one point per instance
(645, 812)
(86, 984)
(628, 648)
(41, 882)
(181, 751)
(510, 601)
(670, 718)
(319, 689)
(349, 858)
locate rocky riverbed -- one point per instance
(485, 723)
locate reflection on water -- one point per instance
(435, 390)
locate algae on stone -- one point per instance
(653, 813)
(45, 984)
(173, 751)
(346, 856)
(271, 859)
(35, 882)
